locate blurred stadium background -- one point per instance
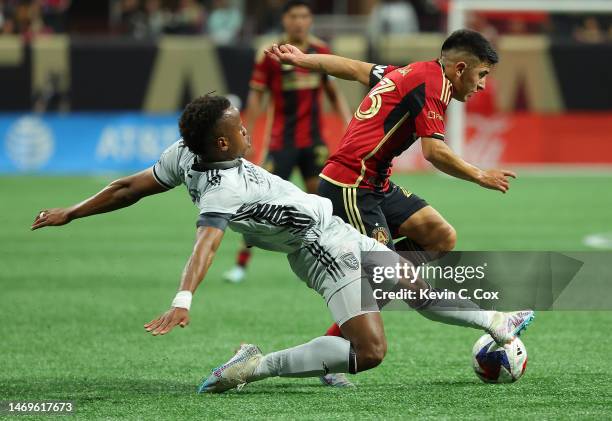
(92, 89)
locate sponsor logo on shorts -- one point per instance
(381, 235)
(350, 261)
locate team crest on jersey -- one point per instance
(404, 70)
(350, 261)
(381, 235)
(213, 177)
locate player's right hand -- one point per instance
(285, 53)
(51, 217)
(496, 179)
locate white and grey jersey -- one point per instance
(270, 212)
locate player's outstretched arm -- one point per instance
(118, 194)
(443, 158)
(207, 242)
(341, 67)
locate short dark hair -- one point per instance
(199, 120)
(295, 3)
(471, 42)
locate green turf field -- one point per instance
(74, 300)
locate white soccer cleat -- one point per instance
(235, 373)
(336, 380)
(235, 275)
(506, 326)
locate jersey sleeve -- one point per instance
(167, 170)
(379, 71)
(218, 205)
(430, 121)
(260, 79)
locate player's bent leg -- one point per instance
(318, 357)
(429, 230)
(367, 337)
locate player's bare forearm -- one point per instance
(118, 194)
(207, 242)
(338, 66)
(443, 158)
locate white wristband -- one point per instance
(182, 300)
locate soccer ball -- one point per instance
(499, 364)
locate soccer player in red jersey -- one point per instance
(404, 104)
(293, 136)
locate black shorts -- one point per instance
(309, 160)
(375, 214)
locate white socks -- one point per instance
(322, 355)
(458, 312)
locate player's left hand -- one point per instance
(495, 179)
(168, 321)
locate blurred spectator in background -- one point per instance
(54, 14)
(28, 19)
(225, 22)
(151, 18)
(156, 18)
(133, 18)
(191, 16)
(589, 30)
(393, 17)
(187, 17)
(6, 23)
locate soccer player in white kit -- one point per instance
(273, 214)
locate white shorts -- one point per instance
(332, 267)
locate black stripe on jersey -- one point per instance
(412, 103)
(437, 136)
(156, 177)
(315, 112)
(334, 266)
(324, 258)
(315, 132)
(277, 215)
(290, 109)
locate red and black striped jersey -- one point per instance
(404, 104)
(296, 99)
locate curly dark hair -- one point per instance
(199, 120)
(471, 42)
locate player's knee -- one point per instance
(371, 354)
(446, 237)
